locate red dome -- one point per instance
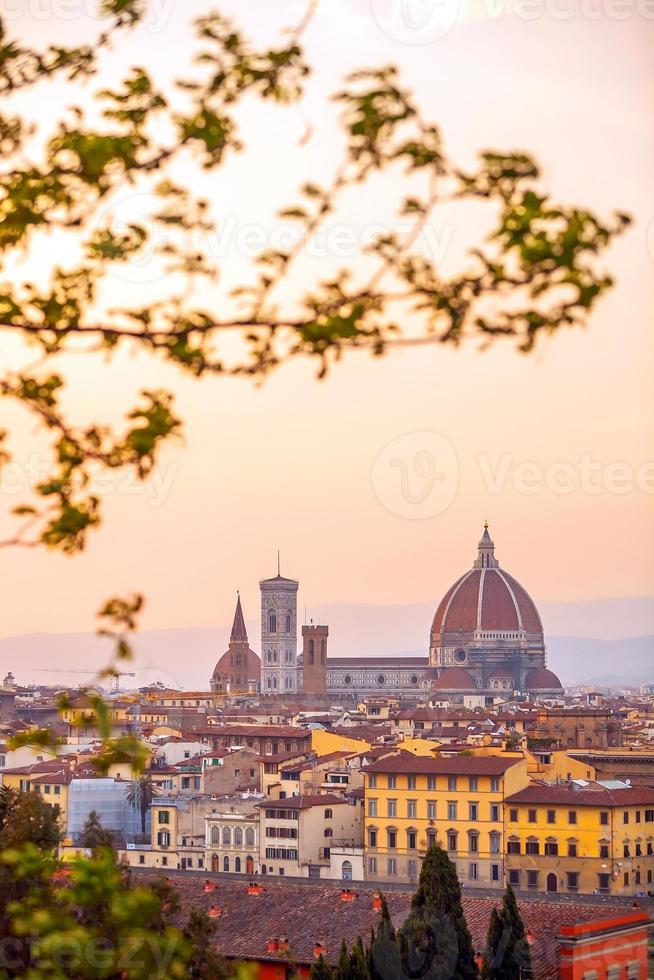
(541, 679)
(486, 598)
(455, 679)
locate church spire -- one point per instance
(486, 551)
(239, 632)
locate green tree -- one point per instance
(343, 964)
(507, 955)
(321, 970)
(384, 958)
(434, 940)
(140, 794)
(94, 835)
(358, 961)
(206, 963)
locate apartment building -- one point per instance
(581, 837)
(412, 801)
(232, 837)
(296, 834)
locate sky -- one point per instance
(374, 483)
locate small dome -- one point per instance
(455, 679)
(542, 679)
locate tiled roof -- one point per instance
(489, 765)
(591, 795)
(302, 802)
(306, 913)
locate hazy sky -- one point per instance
(375, 482)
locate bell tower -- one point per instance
(314, 659)
(278, 634)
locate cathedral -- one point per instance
(486, 638)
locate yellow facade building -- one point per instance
(412, 801)
(581, 837)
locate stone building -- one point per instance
(239, 669)
(279, 635)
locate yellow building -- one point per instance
(412, 801)
(50, 779)
(581, 837)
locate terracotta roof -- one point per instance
(306, 913)
(455, 679)
(591, 795)
(474, 765)
(302, 802)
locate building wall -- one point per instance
(278, 636)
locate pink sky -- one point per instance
(291, 464)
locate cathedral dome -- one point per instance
(455, 679)
(486, 598)
(542, 679)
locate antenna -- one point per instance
(278, 564)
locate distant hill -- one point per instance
(599, 642)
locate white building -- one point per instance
(279, 635)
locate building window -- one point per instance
(473, 871)
(328, 814)
(551, 816)
(625, 878)
(495, 784)
(392, 867)
(473, 811)
(392, 780)
(473, 841)
(513, 816)
(572, 816)
(328, 832)
(431, 838)
(372, 781)
(227, 837)
(637, 816)
(141, 858)
(411, 782)
(531, 816)
(372, 808)
(372, 837)
(633, 970)
(411, 840)
(238, 837)
(372, 866)
(451, 783)
(532, 880)
(215, 835)
(411, 809)
(625, 850)
(411, 868)
(163, 816)
(392, 839)
(604, 850)
(431, 784)
(551, 848)
(495, 872)
(473, 784)
(494, 843)
(514, 877)
(451, 810)
(604, 818)
(451, 840)
(513, 847)
(391, 808)
(495, 812)
(572, 849)
(625, 816)
(164, 862)
(604, 883)
(431, 809)
(532, 846)
(249, 837)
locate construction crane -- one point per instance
(62, 670)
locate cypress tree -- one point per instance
(434, 940)
(384, 959)
(321, 969)
(507, 955)
(358, 962)
(343, 965)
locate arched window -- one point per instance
(238, 837)
(249, 837)
(322, 652)
(288, 622)
(225, 863)
(227, 836)
(311, 651)
(346, 871)
(272, 621)
(215, 835)
(237, 864)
